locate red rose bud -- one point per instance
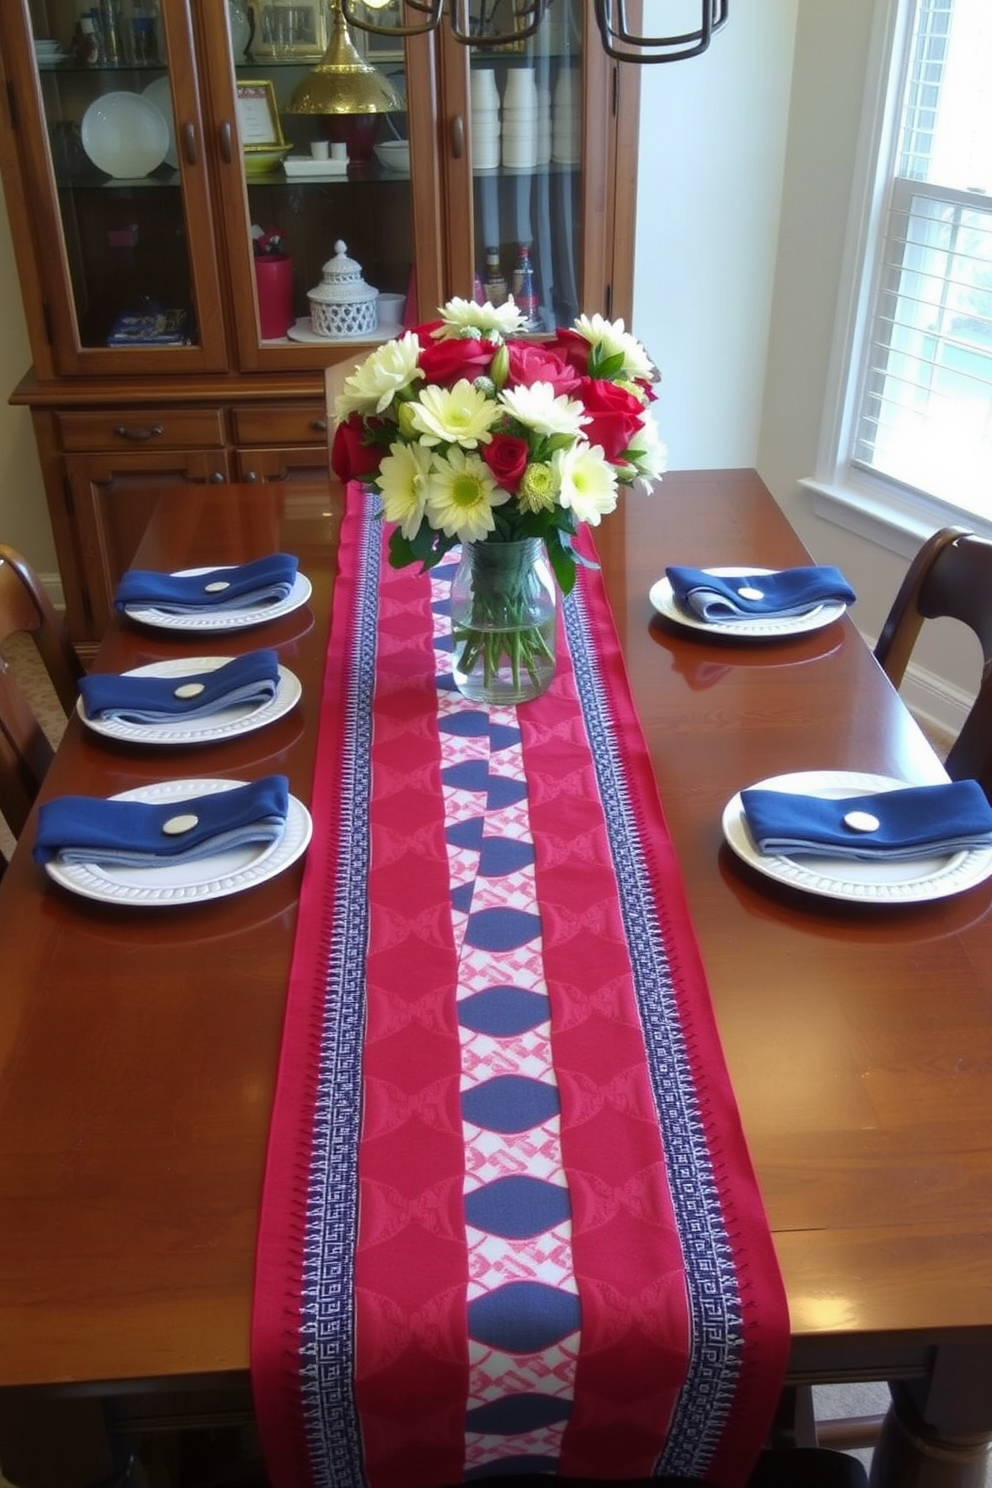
(506, 455)
(615, 415)
(573, 349)
(351, 456)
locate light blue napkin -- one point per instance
(243, 586)
(138, 834)
(786, 592)
(250, 680)
(921, 821)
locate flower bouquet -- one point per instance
(474, 437)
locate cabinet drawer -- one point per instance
(281, 423)
(142, 428)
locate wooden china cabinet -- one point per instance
(133, 149)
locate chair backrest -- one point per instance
(25, 752)
(951, 576)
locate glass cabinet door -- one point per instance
(127, 251)
(328, 148)
(527, 154)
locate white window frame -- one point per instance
(896, 517)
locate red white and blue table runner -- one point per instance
(509, 1222)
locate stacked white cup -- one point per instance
(519, 132)
(543, 124)
(485, 119)
(566, 120)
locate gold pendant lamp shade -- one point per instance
(342, 81)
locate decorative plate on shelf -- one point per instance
(125, 135)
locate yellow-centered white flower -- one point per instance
(460, 415)
(647, 451)
(461, 495)
(587, 482)
(385, 372)
(459, 315)
(540, 408)
(403, 481)
(610, 337)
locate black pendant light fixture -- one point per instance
(620, 40)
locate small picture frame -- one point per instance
(374, 45)
(290, 32)
(258, 117)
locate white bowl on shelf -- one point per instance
(393, 154)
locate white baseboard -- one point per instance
(52, 584)
(935, 701)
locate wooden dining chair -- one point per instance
(25, 750)
(950, 577)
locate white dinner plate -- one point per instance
(185, 883)
(223, 724)
(159, 93)
(760, 628)
(303, 331)
(868, 881)
(124, 135)
(222, 619)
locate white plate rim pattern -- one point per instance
(663, 600)
(854, 880)
(90, 881)
(202, 731)
(223, 619)
(95, 115)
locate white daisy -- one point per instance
(647, 451)
(461, 495)
(385, 372)
(460, 415)
(540, 408)
(587, 482)
(610, 339)
(460, 316)
(403, 479)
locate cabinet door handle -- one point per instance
(138, 436)
(458, 136)
(189, 144)
(226, 153)
(319, 424)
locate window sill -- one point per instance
(899, 521)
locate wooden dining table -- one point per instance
(139, 1046)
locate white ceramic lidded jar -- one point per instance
(342, 304)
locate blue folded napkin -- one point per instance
(137, 834)
(250, 680)
(921, 821)
(787, 591)
(243, 586)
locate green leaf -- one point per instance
(562, 559)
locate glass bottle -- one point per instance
(494, 281)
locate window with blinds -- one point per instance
(924, 406)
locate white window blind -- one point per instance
(924, 403)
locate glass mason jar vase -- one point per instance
(503, 621)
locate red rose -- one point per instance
(530, 363)
(506, 456)
(573, 350)
(615, 415)
(445, 362)
(352, 456)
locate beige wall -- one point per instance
(23, 513)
